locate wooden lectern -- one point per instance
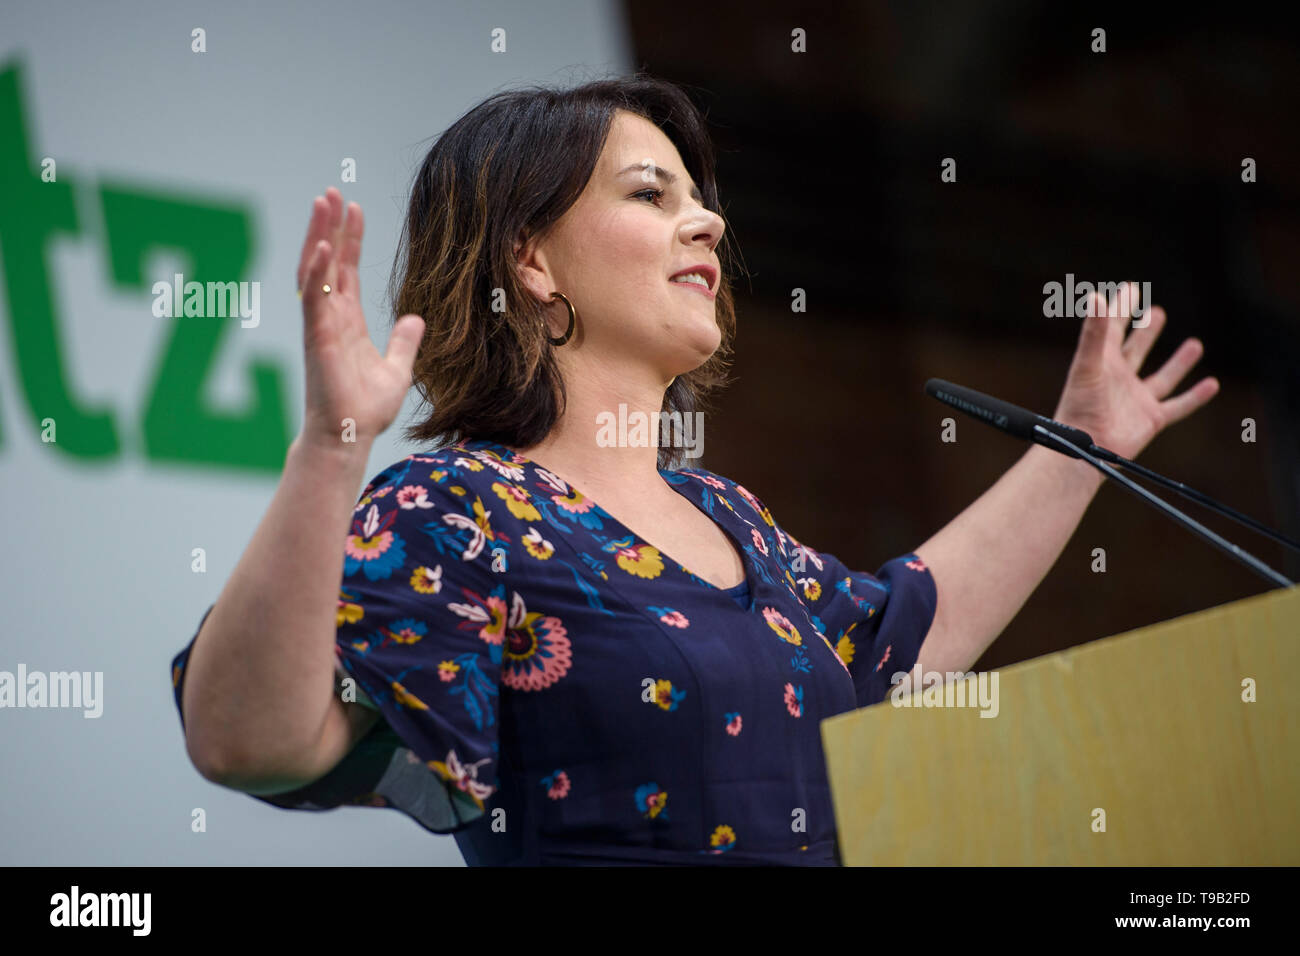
(1145, 748)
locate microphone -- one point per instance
(1076, 443)
(1011, 419)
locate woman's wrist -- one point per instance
(1074, 476)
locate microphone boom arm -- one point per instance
(1227, 547)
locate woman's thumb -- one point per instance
(404, 341)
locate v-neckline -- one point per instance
(478, 444)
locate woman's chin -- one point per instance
(703, 341)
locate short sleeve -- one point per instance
(876, 623)
(420, 626)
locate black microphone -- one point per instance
(1076, 443)
(1011, 419)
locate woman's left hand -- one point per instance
(1103, 393)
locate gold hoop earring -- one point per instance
(573, 320)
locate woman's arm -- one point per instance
(258, 700)
(259, 680)
(989, 559)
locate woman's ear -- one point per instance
(530, 264)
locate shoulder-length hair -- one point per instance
(509, 169)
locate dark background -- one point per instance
(1115, 165)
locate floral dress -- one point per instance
(555, 689)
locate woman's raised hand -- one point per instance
(1104, 393)
(346, 376)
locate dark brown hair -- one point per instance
(509, 169)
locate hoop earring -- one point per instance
(573, 319)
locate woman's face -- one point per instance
(638, 222)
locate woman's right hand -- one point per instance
(346, 376)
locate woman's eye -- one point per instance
(656, 193)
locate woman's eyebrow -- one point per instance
(663, 174)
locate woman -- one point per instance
(558, 648)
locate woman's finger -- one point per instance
(313, 295)
(1138, 344)
(1163, 381)
(1180, 406)
(334, 232)
(404, 342)
(1091, 351)
(315, 233)
(354, 226)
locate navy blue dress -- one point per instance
(555, 689)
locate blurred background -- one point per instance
(127, 156)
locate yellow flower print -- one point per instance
(516, 500)
(723, 838)
(537, 546)
(406, 699)
(830, 647)
(844, 647)
(469, 464)
(781, 624)
(427, 581)
(481, 515)
(348, 613)
(812, 588)
(666, 697)
(438, 474)
(457, 490)
(642, 560)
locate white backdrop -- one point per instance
(96, 565)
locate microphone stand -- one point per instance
(1194, 495)
(1224, 545)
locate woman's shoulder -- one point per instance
(733, 495)
(449, 471)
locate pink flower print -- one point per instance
(710, 481)
(916, 565)
(413, 496)
(674, 618)
(373, 547)
(885, 658)
(573, 502)
(537, 649)
(733, 723)
(557, 785)
(745, 493)
(489, 613)
(794, 700)
(447, 671)
(758, 540)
